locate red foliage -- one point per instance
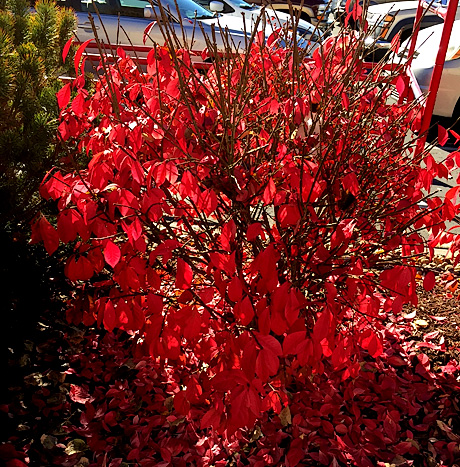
(245, 226)
(136, 409)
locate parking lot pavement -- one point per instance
(441, 186)
(440, 154)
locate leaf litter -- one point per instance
(96, 403)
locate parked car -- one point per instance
(251, 13)
(312, 11)
(426, 49)
(388, 19)
(123, 22)
(340, 11)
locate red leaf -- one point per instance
(208, 201)
(401, 86)
(429, 281)
(166, 454)
(270, 343)
(452, 193)
(292, 341)
(396, 360)
(443, 135)
(180, 403)
(211, 419)
(294, 456)
(184, 275)
(244, 311)
(80, 394)
(449, 210)
(79, 53)
(228, 235)
(254, 230)
(224, 263)
(455, 135)
(350, 183)
(269, 192)
(345, 101)
(112, 254)
(121, 52)
(274, 106)
(267, 364)
(16, 463)
(49, 235)
(395, 42)
(193, 325)
(68, 224)
(188, 185)
(390, 427)
(146, 35)
(288, 214)
(78, 104)
(171, 344)
(79, 269)
(63, 96)
(322, 326)
(235, 290)
(66, 49)
(371, 342)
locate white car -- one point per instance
(250, 14)
(426, 49)
(123, 23)
(385, 20)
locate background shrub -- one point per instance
(30, 64)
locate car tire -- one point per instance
(446, 122)
(405, 34)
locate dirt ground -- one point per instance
(38, 379)
(438, 317)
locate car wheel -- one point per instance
(405, 34)
(305, 16)
(446, 122)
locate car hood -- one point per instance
(228, 22)
(382, 9)
(238, 23)
(427, 46)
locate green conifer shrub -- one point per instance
(31, 43)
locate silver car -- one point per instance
(426, 49)
(124, 23)
(225, 9)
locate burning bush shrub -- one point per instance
(253, 225)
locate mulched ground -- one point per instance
(437, 323)
(36, 401)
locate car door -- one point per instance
(118, 23)
(123, 23)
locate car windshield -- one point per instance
(187, 9)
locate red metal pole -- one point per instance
(437, 74)
(418, 17)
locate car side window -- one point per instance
(102, 6)
(74, 4)
(227, 8)
(136, 8)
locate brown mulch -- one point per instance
(38, 366)
(437, 317)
